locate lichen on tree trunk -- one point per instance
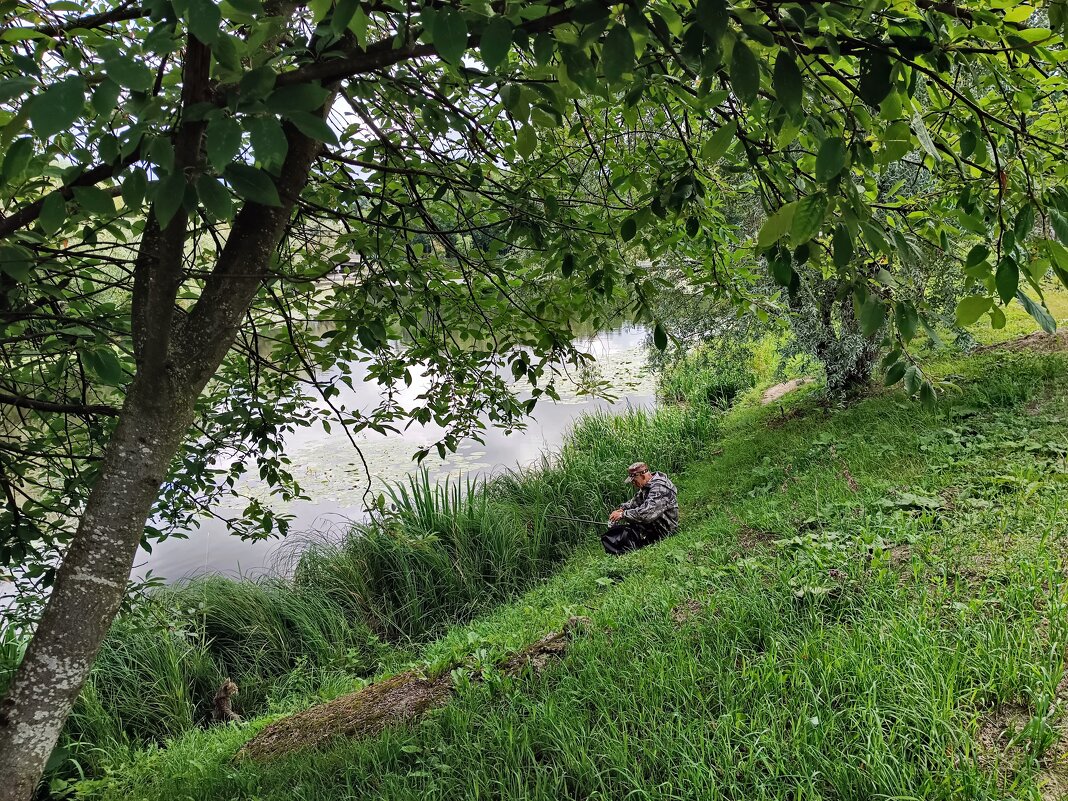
(825, 325)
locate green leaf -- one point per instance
(544, 47)
(997, 318)
(14, 85)
(567, 266)
(782, 271)
(872, 315)
(526, 142)
(628, 229)
(223, 141)
(313, 125)
(257, 83)
(496, 41)
(298, 97)
(873, 235)
(927, 395)
(713, 17)
(831, 159)
(167, 197)
(203, 18)
(16, 262)
(215, 197)
(161, 153)
(977, 255)
(343, 13)
(249, 7)
(1058, 260)
(660, 337)
(134, 187)
(923, 136)
(1024, 222)
(968, 142)
(53, 213)
(17, 158)
(745, 73)
(106, 96)
(1059, 223)
(617, 54)
(1042, 317)
(776, 226)
(56, 109)
(787, 83)
(104, 364)
(227, 56)
(450, 35)
(268, 140)
(720, 140)
(808, 218)
(971, 308)
(253, 184)
(95, 200)
(894, 374)
(130, 73)
(912, 379)
(842, 244)
(1007, 279)
(908, 321)
(589, 12)
(875, 71)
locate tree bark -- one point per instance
(90, 583)
(172, 371)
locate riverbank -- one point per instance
(860, 603)
(334, 477)
(441, 554)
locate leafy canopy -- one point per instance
(491, 173)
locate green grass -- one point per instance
(443, 554)
(871, 585)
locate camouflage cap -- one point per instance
(635, 469)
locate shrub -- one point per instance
(712, 374)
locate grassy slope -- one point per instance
(837, 664)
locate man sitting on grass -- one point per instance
(651, 515)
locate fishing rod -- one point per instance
(580, 520)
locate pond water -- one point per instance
(332, 475)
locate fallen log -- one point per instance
(401, 699)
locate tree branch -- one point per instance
(383, 54)
(123, 12)
(33, 404)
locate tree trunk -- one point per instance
(171, 372)
(848, 357)
(91, 581)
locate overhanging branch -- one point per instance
(21, 402)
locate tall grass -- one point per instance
(445, 551)
(710, 374)
(159, 667)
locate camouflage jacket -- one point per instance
(655, 506)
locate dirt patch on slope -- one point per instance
(750, 538)
(772, 394)
(688, 609)
(402, 699)
(1040, 342)
(996, 738)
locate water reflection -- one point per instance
(332, 475)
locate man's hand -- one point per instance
(615, 516)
